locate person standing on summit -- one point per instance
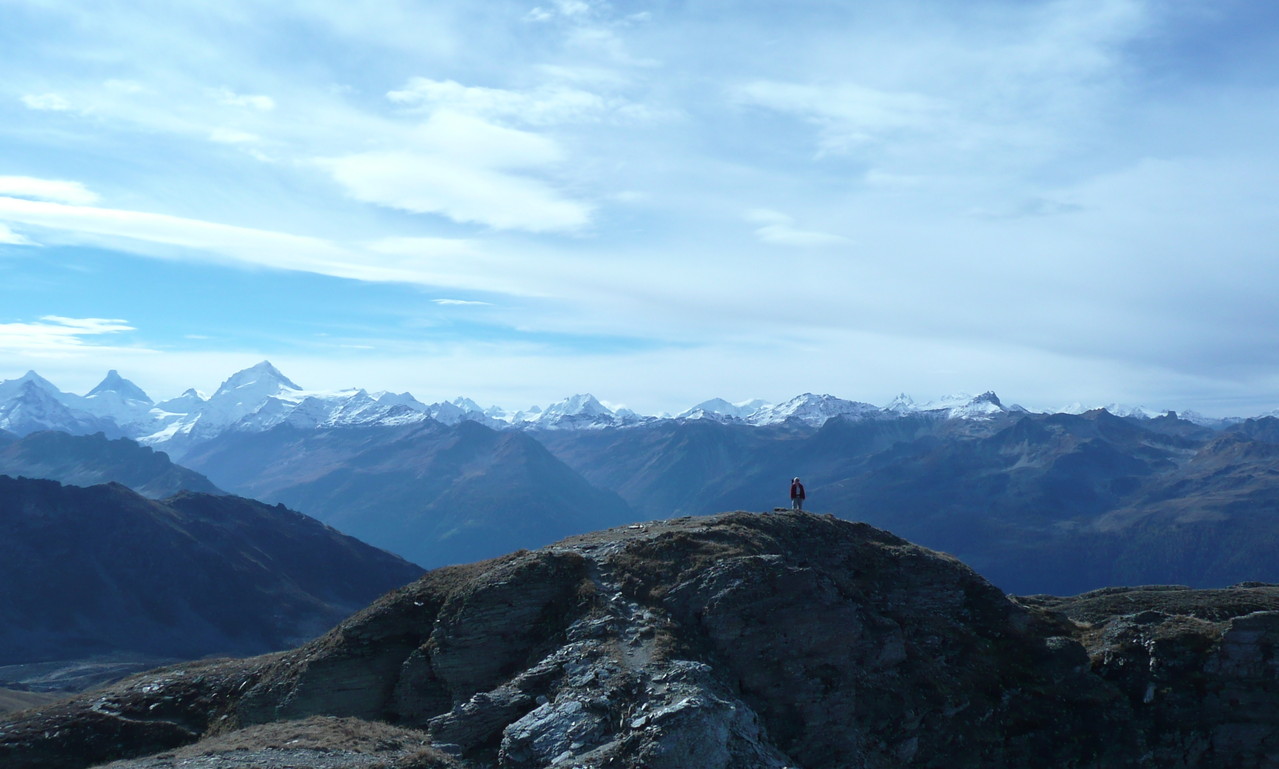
(796, 495)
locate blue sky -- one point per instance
(657, 202)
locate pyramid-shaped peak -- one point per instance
(33, 377)
(263, 373)
(114, 383)
(12, 387)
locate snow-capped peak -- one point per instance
(121, 401)
(1118, 409)
(32, 403)
(813, 410)
(261, 377)
(11, 387)
(575, 412)
(189, 401)
(718, 407)
(245, 392)
(469, 406)
(965, 406)
(114, 383)
(400, 399)
(582, 405)
(902, 404)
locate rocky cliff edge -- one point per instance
(738, 640)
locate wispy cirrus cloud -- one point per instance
(461, 303)
(776, 228)
(56, 336)
(48, 102)
(10, 238)
(546, 105)
(54, 190)
(429, 261)
(468, 170)
(229, 98)
(551, 103)
(849, 115)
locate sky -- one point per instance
(1067, 202)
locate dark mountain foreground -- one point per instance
(11, 699)
(103, 576)
(737, 640)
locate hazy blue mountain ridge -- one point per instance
(87, 460)
(103, 570)
(433, 493)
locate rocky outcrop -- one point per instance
(738, 640)
(1198, 670)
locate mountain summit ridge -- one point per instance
(734, 641)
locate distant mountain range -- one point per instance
(1038, 503)
(102, 570)
(261, 397)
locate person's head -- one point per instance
(795, 480)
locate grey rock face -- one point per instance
(746, 642)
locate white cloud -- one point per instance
(198, 239)
(437, 262)
(779, 229)
(89, 326)
(230, 98)
(468, 170)
(10, 238)
(461, 264)
(55, 336)
(573, 7)
(547, 105)
(486, 144)
(55, 190)
(425, 248)
(461, 303)
(50, 102)
(568, 9)
(849, 115)
(439, 184)
(232, 136)
(124, 86)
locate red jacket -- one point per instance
(796, 490)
